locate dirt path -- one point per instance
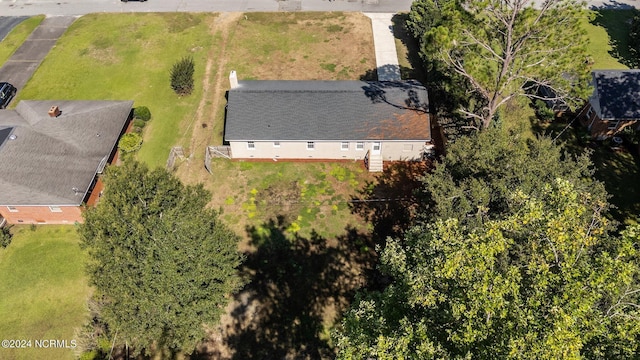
(200, 130)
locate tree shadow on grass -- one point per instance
(297, 287)
(391, 203)
(615, 18)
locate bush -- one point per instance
(139, 123)
(634, 41)
(142, 113)
(130, 142)
(137, 130)
(543, 112)
(182, 76)
(5, 237)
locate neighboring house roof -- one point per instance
(53, 161)
(327, 110)
(616, 94)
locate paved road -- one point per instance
(79, 7)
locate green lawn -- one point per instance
(129, 57)
(44, 290)
(608, 34)
(17, 36)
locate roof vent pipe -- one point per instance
(233, 79)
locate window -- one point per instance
(612, 125)
(251, 145)
(276, 144)
(360, 145)
(590, 112)
(55, 209)
(12, 209)
(311, 145)
(407, 147)
(344, 146)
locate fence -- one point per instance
(215, 152)
(176, 152)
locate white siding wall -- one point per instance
(391, 150)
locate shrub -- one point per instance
(130, 142)
(5, 237)
(139, 123)
(142, 113)
(634, 41)
(543, 112)
(182, 76)
(137, 130)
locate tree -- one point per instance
(475, 180)
(546, 282)
(182, 76)
(161, 262)
(505, 49)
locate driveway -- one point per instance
(7, 23)
(24, 62)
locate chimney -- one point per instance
(54, 111)
(233, 79)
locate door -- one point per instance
(375, 148)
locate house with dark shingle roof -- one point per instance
(374, 121)
(50, 160)
(614, 104)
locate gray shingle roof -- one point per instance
(327, 110)
(53, 161)
(618, 94)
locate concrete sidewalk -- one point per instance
(24, 62)
(385, 46)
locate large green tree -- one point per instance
(548, 281)
(162, 262)
(474, 181)
(503, 49)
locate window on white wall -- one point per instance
(276, 144)
(360, 145)
(55, 209)
(311, 145)
(251, 145)
(407, 147)
(344, 146)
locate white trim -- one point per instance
(360, 146)
(251, 145)
(343, 147)
(55, 209)
(615, 124)
(276, 144)
(12, 209)
(311, 145)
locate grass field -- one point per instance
(17, 36)
(129, 57)
(44, 290)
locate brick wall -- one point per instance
(599, 128)
(41, 214)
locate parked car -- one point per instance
(7, 93)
